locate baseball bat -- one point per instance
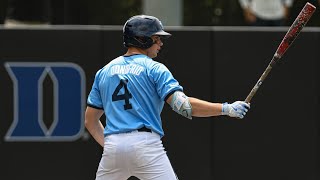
(303, 17)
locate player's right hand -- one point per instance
(237, 109)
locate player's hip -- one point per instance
(132, 150)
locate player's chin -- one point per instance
(153, 55)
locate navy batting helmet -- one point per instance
(137, 31)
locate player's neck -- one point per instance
(134, 50)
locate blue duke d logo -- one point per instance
(68, 101)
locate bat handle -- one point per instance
(260, 81)
(253, 91)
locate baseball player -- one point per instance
(266, 13)
(131, 91)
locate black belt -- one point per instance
(144, 129)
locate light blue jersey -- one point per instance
(132, 91)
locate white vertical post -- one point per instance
(170, 12)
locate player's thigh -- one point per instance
(152, 162)
(110, 168)
(160, 169)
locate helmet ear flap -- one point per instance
(140, 42)
(145, 42)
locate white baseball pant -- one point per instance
(139, 154)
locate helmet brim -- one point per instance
(163, 34)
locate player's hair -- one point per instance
(137, 31)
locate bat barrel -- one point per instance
(296, 27)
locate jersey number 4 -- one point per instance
(126, 96)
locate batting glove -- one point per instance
(237, 109)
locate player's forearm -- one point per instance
(95, 128)
(93, 124)
(201, 108)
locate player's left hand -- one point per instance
(237, 109)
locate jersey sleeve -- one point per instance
(94, 99)
(164, 81)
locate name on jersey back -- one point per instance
(126, 69)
